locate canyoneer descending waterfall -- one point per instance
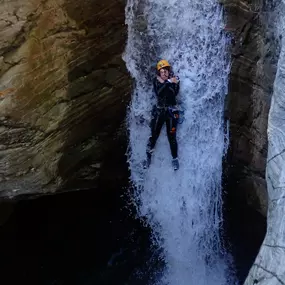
(183, 208)
(166, 88)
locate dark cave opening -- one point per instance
(93, 237)
(244, 231)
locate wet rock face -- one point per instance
(63, 93)
(250, 90)
(268, 268)
(253, 72)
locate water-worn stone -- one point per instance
(250, 91)
(268, 268)
(63, 93)
(252, 77)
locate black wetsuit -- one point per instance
(166, 93)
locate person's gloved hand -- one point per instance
(174, 79)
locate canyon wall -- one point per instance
(63, 95)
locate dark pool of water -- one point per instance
(90, 238)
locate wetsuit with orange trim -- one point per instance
(164, 112)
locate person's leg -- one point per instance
(171, 125)
(158, 118)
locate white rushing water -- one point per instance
(183, 207)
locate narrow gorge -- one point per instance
(75, 101)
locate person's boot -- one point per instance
(175, 163)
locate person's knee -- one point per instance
(172, 138)
(172, 131)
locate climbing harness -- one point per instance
(176, 114)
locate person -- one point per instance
(166, 88)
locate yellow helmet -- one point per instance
(162, 63)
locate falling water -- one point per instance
(183, 208)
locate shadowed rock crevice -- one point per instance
(250, 89)
(249, 126)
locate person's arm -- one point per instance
(175, 84)
(176, 87)
(159, 86)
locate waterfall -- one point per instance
(183, 208)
